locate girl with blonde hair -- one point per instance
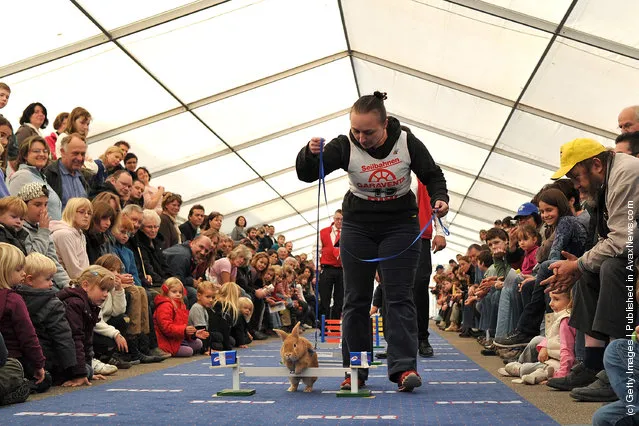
(224, 315)
(68, 236)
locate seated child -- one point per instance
(171, 321)
(556, 351)
(199, 312)
(15, 325)
(82, 303)
(48, 315)
(12, 211)
(125, 316)
(14, 388)
(240, 331)
(223, 316)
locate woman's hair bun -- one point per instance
(380, 95)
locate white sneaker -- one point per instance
(101, 368)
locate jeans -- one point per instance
(616, 361)
(533, 314)
(367, 241)
(510, 307)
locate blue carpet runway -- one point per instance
(456, 391)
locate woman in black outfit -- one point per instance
(380, 220)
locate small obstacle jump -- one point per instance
(229, 359)
(331, 332)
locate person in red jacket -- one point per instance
(331, 282)
(171, 321)
(425, 267)
(15, 324)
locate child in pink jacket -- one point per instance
(556, 350)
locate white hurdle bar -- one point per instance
(236, 370)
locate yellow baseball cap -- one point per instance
(574, 152)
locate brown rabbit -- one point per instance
(298, 354)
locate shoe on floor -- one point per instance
(538, 375)
(19, 394)
(381, 355)
(452, 327)
(346, 384)
(159, 352)
(514, 340)
(489, 351)
(503, 372)
(408, 381)
(425, 349)
(258, 335)
(598, 391)
(101, 368)
(120, 363)
(513, 369)
(579, 377)
(149, 359)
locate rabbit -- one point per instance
(298, 354)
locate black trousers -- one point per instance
(331, 285)
(372, 240)
(599, 301)
(420, 290)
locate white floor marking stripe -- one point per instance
(235, 401)
(376, 392)
(451, 369)
(144, 390)
(194, 374)
(462, 383)
(444, 360)
(53, 414)
(477, 402)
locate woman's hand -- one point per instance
(441, 208)
(80, 381)
(543, 355)
(314, 145)
(202, 334)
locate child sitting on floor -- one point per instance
(199, 312)
(15, 325)
(171, 321)
(48, 315)
(240, 330)
(82, 304)
(556, 350)
(224, 316)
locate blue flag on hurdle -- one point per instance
(220, 359)
(361, 359)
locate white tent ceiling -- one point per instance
(217, 97)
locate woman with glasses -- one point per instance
(33, 157)
(68, 235)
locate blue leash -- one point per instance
(322, 186)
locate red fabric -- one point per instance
(17, 330)
(530, 260)
(170, 323)
(51, 140)
(425, 209)
(330, 254)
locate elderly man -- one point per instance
(629, 119)
(601, 295)
(154, 266)
(184, 258)
(64, 174)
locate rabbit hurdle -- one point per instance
(331, 331)
(236, 370)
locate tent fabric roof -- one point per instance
(217, 97)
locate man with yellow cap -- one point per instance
(609, 182)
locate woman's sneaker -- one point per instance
(159, 352)
(346, 384)
(101, 368)
(408, 381)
